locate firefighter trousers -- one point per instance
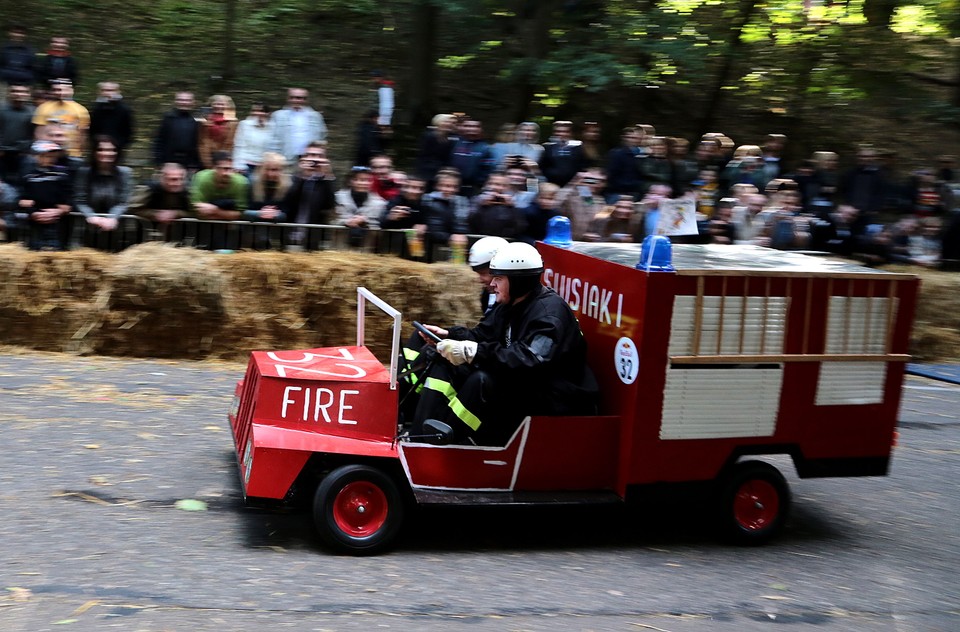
(470, 401)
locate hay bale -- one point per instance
(936, 328)
(156, 300)
(310, 299)
(160, 301)
(48, 298)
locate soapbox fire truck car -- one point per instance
(729, 353)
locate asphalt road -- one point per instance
(96, 453)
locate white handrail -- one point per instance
(364, 295)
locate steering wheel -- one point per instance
(426, 332)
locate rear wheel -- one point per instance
(754, 502)
(358, 509)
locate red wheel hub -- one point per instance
(360, 509)
(756, 505)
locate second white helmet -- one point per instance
(482, 251)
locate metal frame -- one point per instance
(364, 295)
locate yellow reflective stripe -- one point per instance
(446, 388)
(410, 355)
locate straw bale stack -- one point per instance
(161, 301)
(46, 298)
(936, 329)
(156, 300)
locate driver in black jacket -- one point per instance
(527, 356)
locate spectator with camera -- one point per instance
(406, 209)
(311, 198)
(522, 181)
(544, 206)
(525, 144)
(749, 227)
(582, 199)
(495, 211)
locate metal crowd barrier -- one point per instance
(76, 232)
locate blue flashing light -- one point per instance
(558, 232)
(656, 254)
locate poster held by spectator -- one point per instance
(678, 217)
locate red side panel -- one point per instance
(545, 454)
(478, 468)
(269, 473)
(570, 453)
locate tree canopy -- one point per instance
(837, 72)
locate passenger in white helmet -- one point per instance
(527, 356)
(415, 356)
(481, 252)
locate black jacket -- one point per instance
(177, 139)
(416, 216)
(52, 67)
(113, 119)
(501, 220)
(560, 162)
(17, 64)
(536, 347)
(320, 206)
(624, 173)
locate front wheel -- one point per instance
(357, 509)
(754, 502)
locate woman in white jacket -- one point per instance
(253, 138)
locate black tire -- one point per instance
(754, 503)
(358, 509)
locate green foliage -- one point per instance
(606, 54)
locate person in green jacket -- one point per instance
(219, 193)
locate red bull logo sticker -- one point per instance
(627, 360)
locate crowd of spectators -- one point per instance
(58, 157)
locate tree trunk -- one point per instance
(421, 88)
(879, 13)
(734, 46)
(228, 70)
(535, 30)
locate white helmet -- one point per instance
(516, 259)
(483, 250)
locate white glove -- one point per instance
(457, 352)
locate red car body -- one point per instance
(740, 351)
